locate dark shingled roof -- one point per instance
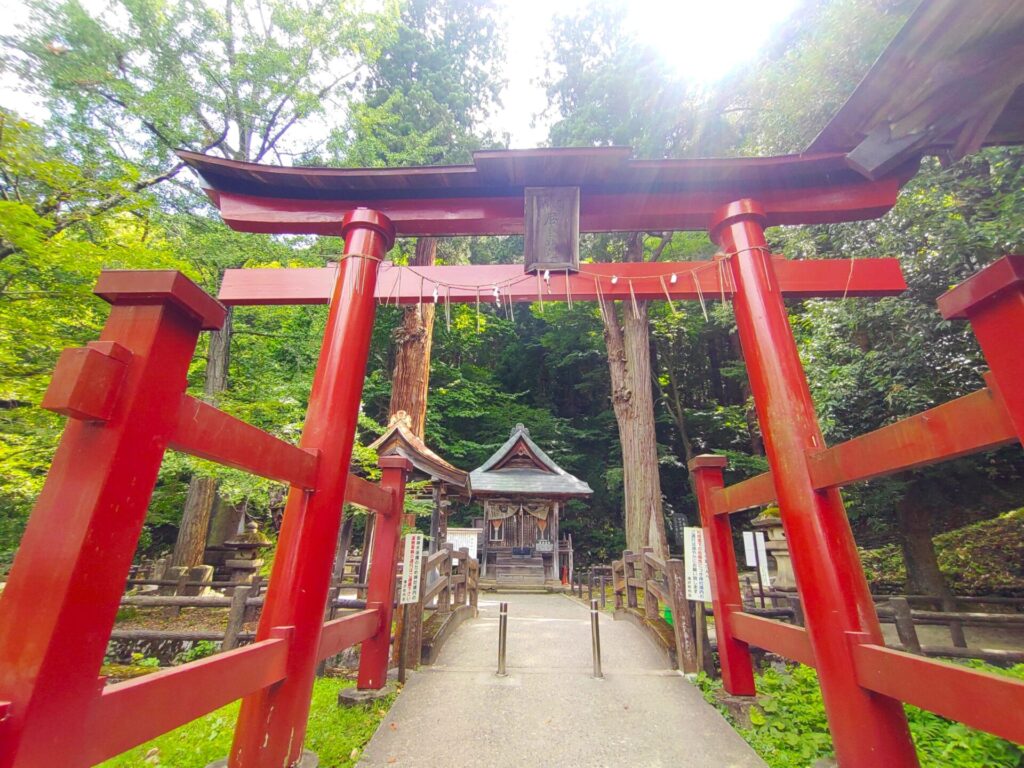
(544, 478)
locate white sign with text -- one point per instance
(412, 553)
(698, 580)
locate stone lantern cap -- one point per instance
(249, 541)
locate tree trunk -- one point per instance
(629, 364)
(202, 491)
(924, 577)
(413, 341)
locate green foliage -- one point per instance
(789, 729)
(142, 660)
(985, 558)
(336, 734)
(199, 650)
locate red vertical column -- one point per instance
(380, 590)
(272, 722)
(737, 670)
(993, 302)
(867, 729)
(61, 599)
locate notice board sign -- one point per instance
(698, 580)
(756, 554)
(412, 552)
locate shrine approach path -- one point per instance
(549, 711)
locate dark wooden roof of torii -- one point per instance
(617, 192)
(521, 468)
(399, 439)
(951, 81)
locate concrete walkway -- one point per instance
(549, 711)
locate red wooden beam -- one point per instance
(783, 639)
(367, 494)
(627, 211)
(752, 492)
(211, 434)
(969, 424)
(339, 634)
(133, 712)
(462, 284)
(979, 699)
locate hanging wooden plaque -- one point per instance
(552, 231)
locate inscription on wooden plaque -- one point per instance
(552, 231)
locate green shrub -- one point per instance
(983, 558)
(789, 729)
(200, 650)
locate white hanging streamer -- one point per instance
(668, 298)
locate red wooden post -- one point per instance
(272, 722)
(380, 592)
(867, 729)
(122, 394)
(737, 670)
(993, 301)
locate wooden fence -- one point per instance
(451, 597)
(660, 582)
(449, 593)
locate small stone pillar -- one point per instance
(244, 562)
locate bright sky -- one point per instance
(703, 39)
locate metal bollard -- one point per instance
(502, 631)
(595, 639)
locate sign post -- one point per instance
(698, 580)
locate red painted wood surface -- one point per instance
(737, 669)
(272, 722)
(993, 301)
(66, 582)
(210, 434)
(408, 285)
(339, 634)
(979, 699)
(87, 381)
(366, 494)
(380, 591)
(867, 729)
(784, 639)
(972, 423)
(133, 712)
(487, 198)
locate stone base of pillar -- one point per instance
(351, 697)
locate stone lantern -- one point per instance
(777, 547)
(244, 561)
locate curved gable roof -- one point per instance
(545, 478)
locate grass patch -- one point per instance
(336, 734)
(789, 729)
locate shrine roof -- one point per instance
(508, 172)
(400, 440)
(542, 476)
(951, 80)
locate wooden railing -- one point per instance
(449, 593)
(660, 582)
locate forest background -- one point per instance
(413, 82)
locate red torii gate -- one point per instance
(126, 399)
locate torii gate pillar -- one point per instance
(272, 722)
(867, 729)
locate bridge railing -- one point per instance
(989, 418)
(660, 582)
(449, 593)
(126, 402)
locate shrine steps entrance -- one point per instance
(549, 710)
(519, 571)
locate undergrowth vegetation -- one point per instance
(789, 729)
(985, 558)
(336, 734)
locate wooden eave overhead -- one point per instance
(400, 440)
(951, 81)
(617, 193)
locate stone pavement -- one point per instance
(549, 711)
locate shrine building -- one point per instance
(523, 493)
